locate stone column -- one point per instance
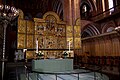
(71, 11)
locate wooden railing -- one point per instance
(106, 13)
(106, 44)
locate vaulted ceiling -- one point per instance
(36, 8)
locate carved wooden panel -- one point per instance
(61, 42)
(40, 29)
(52, 54)
(41, 42)
(51, 42)
(21, 41)
(30, 44)
(30, 54)
(60, 30)
(30, 27)
(21, 26)
(25, 34)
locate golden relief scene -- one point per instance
(52, 30)
(40, 30)
(61, 41)
(41, 42)
(49, 32)
(61, 31)
(50, 24)
(51, 42)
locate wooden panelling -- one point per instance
(105, 45)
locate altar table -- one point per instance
(52, 65)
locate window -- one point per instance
(110, 29)
(103, 5)
(110, 2)
(84, 8)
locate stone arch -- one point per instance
(91, 3)
(95, 7)
(84, 23)
(90, 30)
(109, 25)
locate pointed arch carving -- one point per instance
(107, 25)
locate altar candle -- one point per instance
(37, 46)
(24, 54)
(69, 46)
(24, 50)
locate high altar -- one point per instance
(52, 65)
(49, 35)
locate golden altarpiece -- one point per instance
(77, 37)
(49, 35)
(73, 35)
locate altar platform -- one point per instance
(78, 74)
(61, 69)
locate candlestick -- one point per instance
(24, 55)
(37, 45)
(69, 46)
(24, 50)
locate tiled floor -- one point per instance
(21, 69)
